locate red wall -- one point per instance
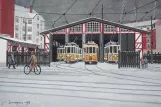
(7, 17)
(144, 37)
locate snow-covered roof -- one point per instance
(97, 20)
(21, 42)
(25, 12)
(141, 24)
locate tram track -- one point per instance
(121, 78)
(83, 90)
(84, 97)
(74, 68)
(108, 71)
(114, 75)
(78, 82)
(83, 86)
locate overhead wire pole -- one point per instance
(122, 11)
(65, 12)
(155, 3)
(121, 18)
(151, 40)
(102, 41)
(136, 10)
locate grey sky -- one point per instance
(86, 6)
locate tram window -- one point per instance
(68, 49)
(58, 51)
(74, 49)
(90, 49)
(110, 49)
(77, 50)
(107, 50)
(71, 49)
(94, 50)
(115, 49)
(85, 50)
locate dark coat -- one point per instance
(12, 60)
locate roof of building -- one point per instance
(141, 24)
(24, 12)
(21, 42)
(97, 20)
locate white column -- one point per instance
(83, 42)
(66, 38)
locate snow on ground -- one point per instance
(80, 85)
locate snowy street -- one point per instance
(79, 85)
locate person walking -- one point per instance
(12, 61)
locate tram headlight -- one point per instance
(90, 55)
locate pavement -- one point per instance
(80, 85)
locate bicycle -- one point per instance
(37, 70)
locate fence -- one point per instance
(22, 58)
(129, 59)
(156, 58)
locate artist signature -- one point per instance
(16, 103)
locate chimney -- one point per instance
(30, 9)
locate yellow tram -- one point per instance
(71, 52)
(60, 53)
(111, 52)
(91, 52)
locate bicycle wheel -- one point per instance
(26, 69)
(37, 70)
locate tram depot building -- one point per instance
(97, 30)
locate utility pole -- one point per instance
(136, 11)
(155, 3)
(102, 40)
(122, 11)
(151, 39)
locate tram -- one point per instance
(60, 53)
(111, 52)
(91, 52)
(71, 52)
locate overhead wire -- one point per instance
(140, 7)
(65, 12)
(55, 13)
(95, 6)
(150, 11)
(91, 16)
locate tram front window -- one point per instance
(110, 49)
(68, 49)
(115, 49)
(94, 50)
(90, 50)
(107, 49)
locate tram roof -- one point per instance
(97, 20)
(111, 43)
(71, 44)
